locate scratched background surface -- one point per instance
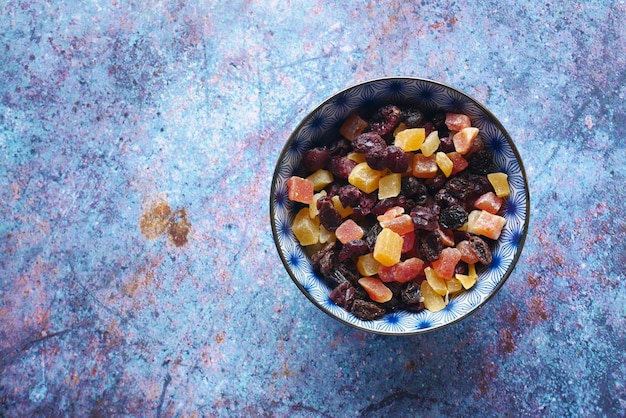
(138, 276)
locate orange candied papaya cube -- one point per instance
(348, 231)
(401, 225)
(489, 202)
(300, 190)
(376, 289)
(486, 224)
(447, 261)
(424, 167)
(464, 139)
(388, 247)
(457, 121)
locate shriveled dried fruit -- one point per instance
(367, 311)
(343, 295)
(452, 217)
(425, 217)
(386, 120)
(316, 158)
(329, 217)
(368, 141)
(353, 249)
(341, 166)
(481, 249)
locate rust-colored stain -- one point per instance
(155, 220)
(159, 218)
(179, 228)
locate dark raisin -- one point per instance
(425, 217)
(376, 158)
(353, 249)
(413, 118)
(397, 160)
(324, 260)
(453, 217)
(386, 120)
(329, 217)
(367, 311)
(428, 128)
(446, 144)
(349, 195)
(481, 162)
(412, 187)
(481, 248)
(395, 303)
(411, 293)
(368, 141)
(341, 166)
(433, 185)
(429, 245)
(371, 235)
(444, 198)
(316, 158)
(439, 120)
(460, 188)
(343, 295)
(348, 270)
(460, 268)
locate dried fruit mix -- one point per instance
(400, 211)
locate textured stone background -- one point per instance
(117, 116)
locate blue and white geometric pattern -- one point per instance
(322, 125)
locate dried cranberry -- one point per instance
(453, 217)
(386, 120)
(371, 235)
(444, 198)
(376, 158)
(397, 160)
(316, 158)
(446, 144)
(367, 311)
(343, 295)
(329, 217)
(368, 141)
(413, 188)
(341, 166)
(481, 248)
(353, 249)
(349, 195)
(340, 147)
(367, 202)
(425, 217)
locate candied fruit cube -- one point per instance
(313, 211)
(454, 285)
(326, 236)
(367, 265)
(486, 224)
(321, 178)
(458, 162)
(376, 289)
(402, 224)
(353, 126)
(339, 207)
(408, 242)
(468, 255)
(447, 261)
(457, 121)
(436, 282)
(300, 190)
(431, 144)
(306, 230)
(389, 185)
(403, 272)
(432, 300)
(410, 139)
(464, 139)
(364, 177)
(348, 231)
(489, 202)
(500, 183)
(466, 281)
(424, 167)
(444, 163)
(392, 212)
(357, 157)
(388, 247)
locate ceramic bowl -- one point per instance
(322, 124)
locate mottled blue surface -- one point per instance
(110, 111)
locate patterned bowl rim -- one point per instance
(492, 118)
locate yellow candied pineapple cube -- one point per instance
(364, 177)
(367, 265)
(321, 178)
(306, 230)
(444, 163)
(454, 285)
(431, 144)
(433, 301)
(326, 236)
(339, 207)
(500, 183)
(388, 247)
(389, 185)
(436, 282)
(410, 139)
(358, 157)
(468, 280)
(313, 212)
